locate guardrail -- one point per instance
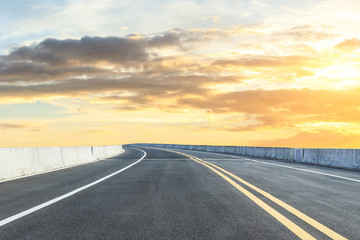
(332, 157)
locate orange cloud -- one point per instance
(348, 44)
(285, 107)
(264, 61)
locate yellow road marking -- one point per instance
(278, 216)
(327, 231)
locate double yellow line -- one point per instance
(278, 216)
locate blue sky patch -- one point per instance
(31, 110)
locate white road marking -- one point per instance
(170, 159)
(220, 159)
(279, 165)
(45, 204)
(306, 170)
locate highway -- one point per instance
(148, 193)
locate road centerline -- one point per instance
(284, 166)
(282, 219)
(302, 234)
(294, 211)
(64, 196)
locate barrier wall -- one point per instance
(16, 162)
(332, 157)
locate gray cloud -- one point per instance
(86, 50)
(141, 85)
(165, 40)
(35, 72)
(55, 59)
(181, 39)
(120, 50)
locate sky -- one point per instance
(234, 72)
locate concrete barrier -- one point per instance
(331, 157)
(79, 155)
(341, 158)
(17, 162)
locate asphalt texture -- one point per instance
(170, 196)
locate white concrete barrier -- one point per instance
(78, 155)
(332, 157)
(17, 162)
(342, 158)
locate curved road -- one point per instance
(148, 193)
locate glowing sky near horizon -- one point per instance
(255, 73)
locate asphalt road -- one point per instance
(168, 195)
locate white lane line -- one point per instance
(220, 159)
(283, 166)
(306, 170)
(49, 171)
(212, 153)
(45, 204)
(171, 159)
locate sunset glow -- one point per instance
(254, 73)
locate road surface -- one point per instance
(148, 193)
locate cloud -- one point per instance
(263, 61)
(182, 39)
(35, 72)
(57, 59)
(157, 86)
(172, 82)
(161, 77)
(37, 129)
(86, 50)
(168, 73)
(282, 100)
(349, 44)
(120, 50)
(5, 126)
(305, 33)
(208, 72)
(75, 67)
(284, 107)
